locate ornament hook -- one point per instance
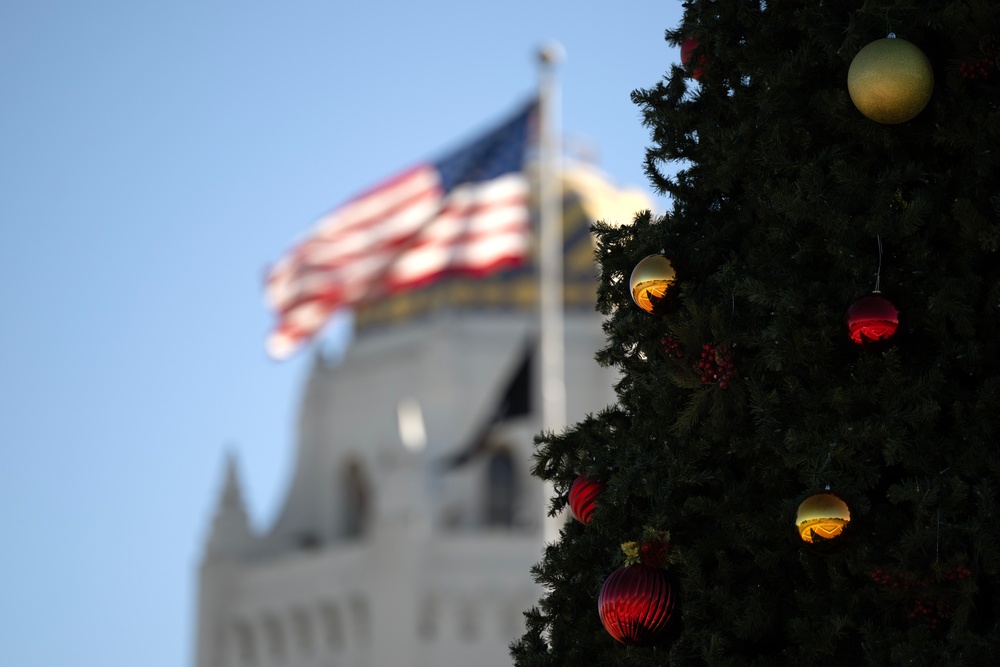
(878, 271)
(937, 539)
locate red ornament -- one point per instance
(636, 604)
(582, 495)
(872, 318)
(654, 552)
(694, 70)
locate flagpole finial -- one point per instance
(551, 53)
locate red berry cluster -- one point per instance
(884, 577)
(672, 347)
(933, 612)
(978, 69)
(988, 62)
(716, 365)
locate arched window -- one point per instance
(468, 621)
(245, 643)
(302, 626)
(333, 628)
(275, 636)
(361, 620)
(220, 647)
(501, 489)
(356, 501)
(427, 621)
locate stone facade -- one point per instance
(385, 552)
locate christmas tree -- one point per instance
(803, 459)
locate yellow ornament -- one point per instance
(651, 280)
(890, 80)
(822, 516)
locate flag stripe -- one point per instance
(486, 210)
(477, 257)
(467, 214)
(372, 207)
(408, 206)
(470, 207)
(467, 252)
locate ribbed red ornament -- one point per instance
(583, 493)
(872, 318)
(636, 604)
(694, 70)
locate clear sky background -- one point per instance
(155, 156)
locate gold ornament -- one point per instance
(651, 280)
(822, 516)
(890, 80)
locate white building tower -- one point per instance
(412, 522)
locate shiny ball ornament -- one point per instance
(871, 319)
(651, 281)
(583, 493)
(890, 80)
(822, 516)
(636, 604)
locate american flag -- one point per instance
(465, 214)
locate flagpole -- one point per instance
(551, 263)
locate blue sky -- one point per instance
(154, 157)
